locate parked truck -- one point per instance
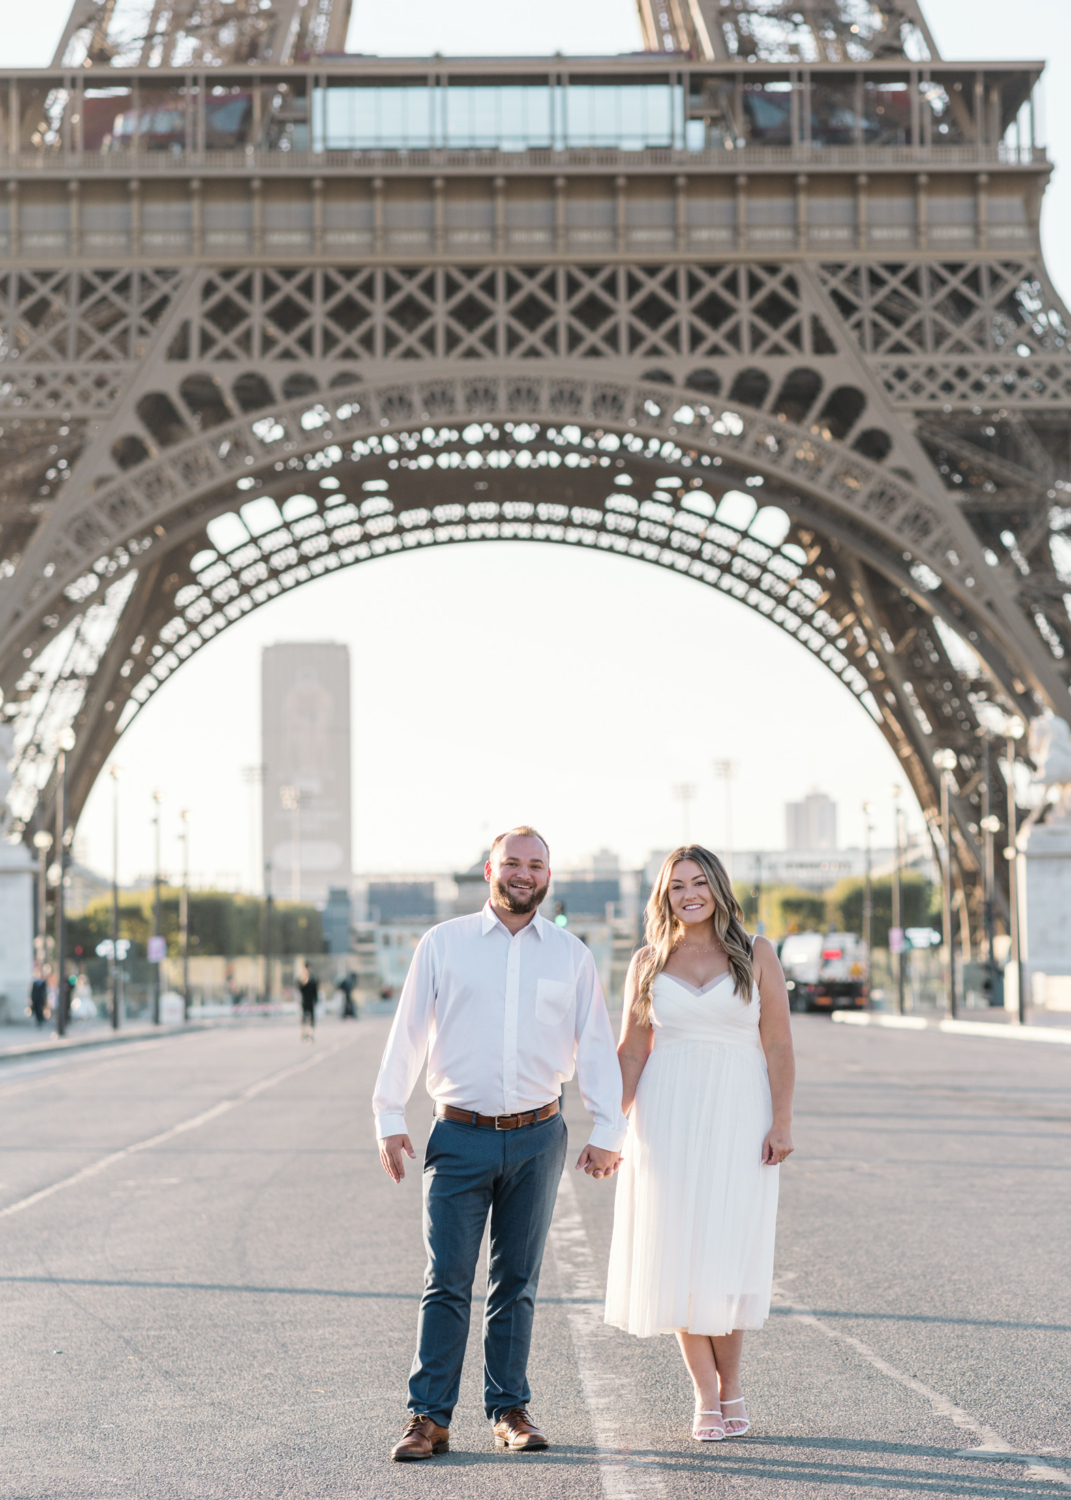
(826, 970)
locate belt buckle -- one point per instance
(505, 1117)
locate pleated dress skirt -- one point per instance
(696, 1211)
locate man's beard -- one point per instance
(519, 905)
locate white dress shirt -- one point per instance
(504, 1019)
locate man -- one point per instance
(510, 1004)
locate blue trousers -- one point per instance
(470, 1172)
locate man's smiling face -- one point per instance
(519, 873)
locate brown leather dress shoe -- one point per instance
(422, 1437)
(516, 1430)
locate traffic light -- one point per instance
(560, 917)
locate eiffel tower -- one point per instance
(769, 295)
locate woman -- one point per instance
(706, 1059)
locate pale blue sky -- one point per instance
(633, 680)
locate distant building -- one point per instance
(401, 900)
(472, 888)
(586, 895)
(305, 750)
(812, 823)
(338, 920)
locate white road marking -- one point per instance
(222, 1108)
(606, 1394)
(991, 1440)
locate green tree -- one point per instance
(221, 923)
(920, 905)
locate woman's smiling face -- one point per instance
(690, 896)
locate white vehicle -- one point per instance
(826, 970)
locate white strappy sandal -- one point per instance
(738, 1430)
(707, 1432)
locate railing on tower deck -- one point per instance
(523, 110)
(149, 163)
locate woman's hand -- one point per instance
(777, 1146)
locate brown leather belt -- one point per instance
(496, 1122)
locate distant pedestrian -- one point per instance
(310, 993)
(347, 986)
(706, 1058)
(39, 999)
(505, 1006)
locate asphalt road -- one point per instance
(210, 1288)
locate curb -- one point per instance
(1056, 1034)
(113, 1039)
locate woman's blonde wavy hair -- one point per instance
(663, 930)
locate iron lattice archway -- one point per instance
(787, 520)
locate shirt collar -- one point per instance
(491, 921)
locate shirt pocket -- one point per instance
(554, 1000)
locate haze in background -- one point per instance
(498, 682)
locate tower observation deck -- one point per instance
(763, 305)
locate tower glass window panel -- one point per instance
(373, 119)
(630, 117)
(768, 112)
(886, 112)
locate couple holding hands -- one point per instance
(505, 1006)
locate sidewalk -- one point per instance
(32, 1042)
(1040, 1028)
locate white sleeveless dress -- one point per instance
(695, 1212)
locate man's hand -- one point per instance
(598, 1163)
(392, 1151)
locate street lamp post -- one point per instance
(897, 913)
(268, 934)
(990, 825)
(157, 915)
(184, 913)
(63, 992)
(1013, 730)
(725, 770)
(685, 792)
(117, 1001)
(42, 842)
(868, 893)
(946, 761)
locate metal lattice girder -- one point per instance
(772, 31)
(170, 33)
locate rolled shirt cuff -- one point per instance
(390, 1124)
(606, 1138)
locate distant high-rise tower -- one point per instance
(812, 823)
(305, 748)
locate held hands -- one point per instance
(777, 1147)
(392, 1151)
(598, 1163)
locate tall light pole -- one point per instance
(63, 991)
(946, 762)
(868, 891)
(989, 824)
(117, 1002)
(269, 936)
(158, 925)
(1013, 730)
(897, 915)
(685, 791)
(253, 776)
(725, 770)
(42, 842)
(290, 797)
(184, 913)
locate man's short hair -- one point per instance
(524, 831)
